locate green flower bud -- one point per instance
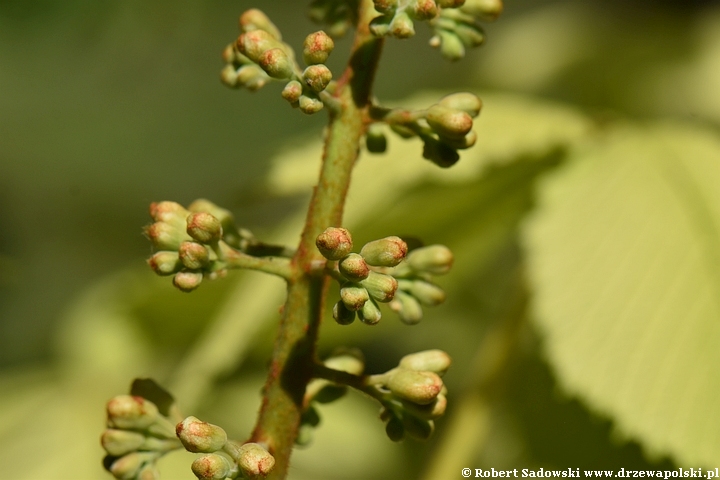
(119, 442)
(255, 19)
(381, 287)
(354, 268)
(435, 259)
(228, 54)
(165, 263)
(292, 91)
(464, 101)
(310, 104)
(449, 3)
(425, 9)
(252, 44)
(354, 296)
(417, 387)
(346, 360)
(370, 313)
(252, 77)
(193, 255)
(435, 361)
(200, 437)
(470, 34)
(417, 427)
(255, 460)
(213, 466)
(487, 10)
(229, 76)
(466, 142)
(407, 308)
(305, 436)
(204, 227)
(375, 139)
(439, 153)
(431, 411)
(386, 252)
(402, 130)
(165, 236)
(276, 63)
(380, 26)
(225, 216)
(187, 281)
(128, 466)
(317, 77)
(168, 212)
(402, 25)
(427, 293)
(394, 429)
(317, 48)
(451, 47)
(449, 122)
(334, 243)
(127, 412)
(342, 314)
(385, 6)
(148, 472)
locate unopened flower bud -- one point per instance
(418, 428)
(385, 6)
(402, 25)
(212, 466)
(128, 466)
(425, 9)
(465, 101)
(440, 154)
(463, 143)
(435, 361)
(354, 268)
(204, 227)
(128, 412)
(375, 139)
(346, 360)
(354, 296)
(165, 263)
(334, 243)
(342, 314)
(380, 26)
(471, 35)
(310, 105)
(276, 63)
(386, 252)
(252, 77)
(252, 44)
(381, 287)
(255, 19)
(394, 429)
(435, 259)
(292, 91)
(449, 3)
(200, 437)
(427, 293)
(317, 48)
(414, 386)
(255, 460)
(370, 313)
(449, 122)
(229, 76)
(193, 255)
(168, 212)
(119, 442)
(228, 54)
(165, 236)
(187, 281)
(487, 10)
(431, 411)
(451, 47)
(317, 77)
(407, 308)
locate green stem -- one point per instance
(275, 265)
(293, 358)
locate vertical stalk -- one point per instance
(294, 350)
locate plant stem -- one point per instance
(293, 358)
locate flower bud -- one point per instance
(449, 3)
(435, 259)
(148, 472)
(427, 293)
(465, 101)
(439, 153)
(425, 9)
(375, 139)
(119, 442)
(414, 386)
(200, 437)
(212, 466)
(346, 360)
(342, 314)
(204, 227)
(193, 255)
(165, 263)
(354, 268)
(370, 313)
(255, 19)
(402, 25)
(168, 212)
(252, 77)
(276, 63)
(461, 144)
(128, 466)
(127, 412)
(380, 26)
(381, 287)
(228, 54)
(385, 6)
(317, 77)
(187, 281)
(431, 411)
(317, 48)
(354, 296)
(334, 243)
(292, 91)
(386, 252)
(435, 361)
(487, 10)
(449, 122)
(451, 47)
(165, 236)
(229, 76)
(417, 427)
(203, 205)
(252, 44)
(471, 35)
(310, 105)
(255, 460)
(407, 308)
(394, 429)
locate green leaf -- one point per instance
(624, 260)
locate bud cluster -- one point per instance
(397, 16)
(362, 287)
(137, 435)
(321, 391)
(444, 128)
(413, 394)
(234, 460)
(457, 30)
(259, 55)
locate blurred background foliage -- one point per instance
(583, 308)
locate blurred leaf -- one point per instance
(149, 389)
(625, 265)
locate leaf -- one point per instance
(624, 260)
